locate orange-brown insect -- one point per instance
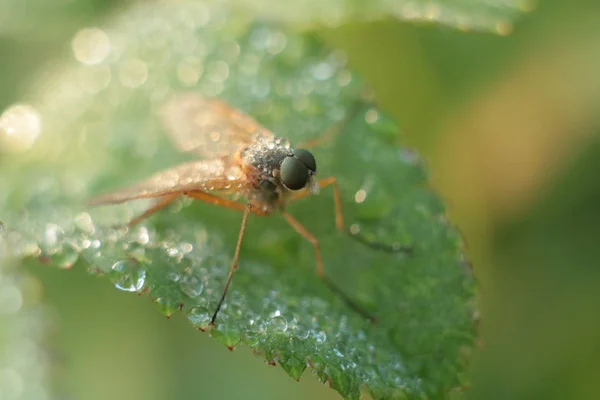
(240, 158)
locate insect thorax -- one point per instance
(262, 158)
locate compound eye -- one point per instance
(307, 159)
(293, 173)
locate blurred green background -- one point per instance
(508, 125)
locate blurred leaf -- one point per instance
(100, 131)
(24, 329)
(485, 15)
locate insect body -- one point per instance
(240, 158)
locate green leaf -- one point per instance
(100, 131)
(479, 15)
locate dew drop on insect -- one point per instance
(128, 276)
(278, 324)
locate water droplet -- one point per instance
(141, 235)
(166, 306)
(320, 337)
(192, 285)
(84, 223)
(67, 256)
(323, 71)
(133, 73)
(135, 250)
(20, 126)
(371, 116)
(91, 46)
(30, 249)
(199, 317)
(218, 71)
(278, 324)
(173, 276)
(301, 332)
(186, 247)
(293, 366)
(52, 235)
(128, 275)
(276, 42)
(189, 71)
(360, 195)
(226, 333)
(409, 156)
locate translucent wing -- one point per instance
(209, 127)
(206, 175)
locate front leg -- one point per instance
(339, 218)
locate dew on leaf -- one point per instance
(199, 317)
(167, 306)
(135, 250)
(84, 222)
(320, 337)
(67, 255)
(229, 335)
(294, 366)
(297, 88)
(128, 275)
(278, 324)
(301, 332)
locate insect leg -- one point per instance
(162, 203)
(321, 272)
(339, 218)
(222, 202)
(234, 263)
(198, 195)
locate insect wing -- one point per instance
(205, 175)
(209, 127)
